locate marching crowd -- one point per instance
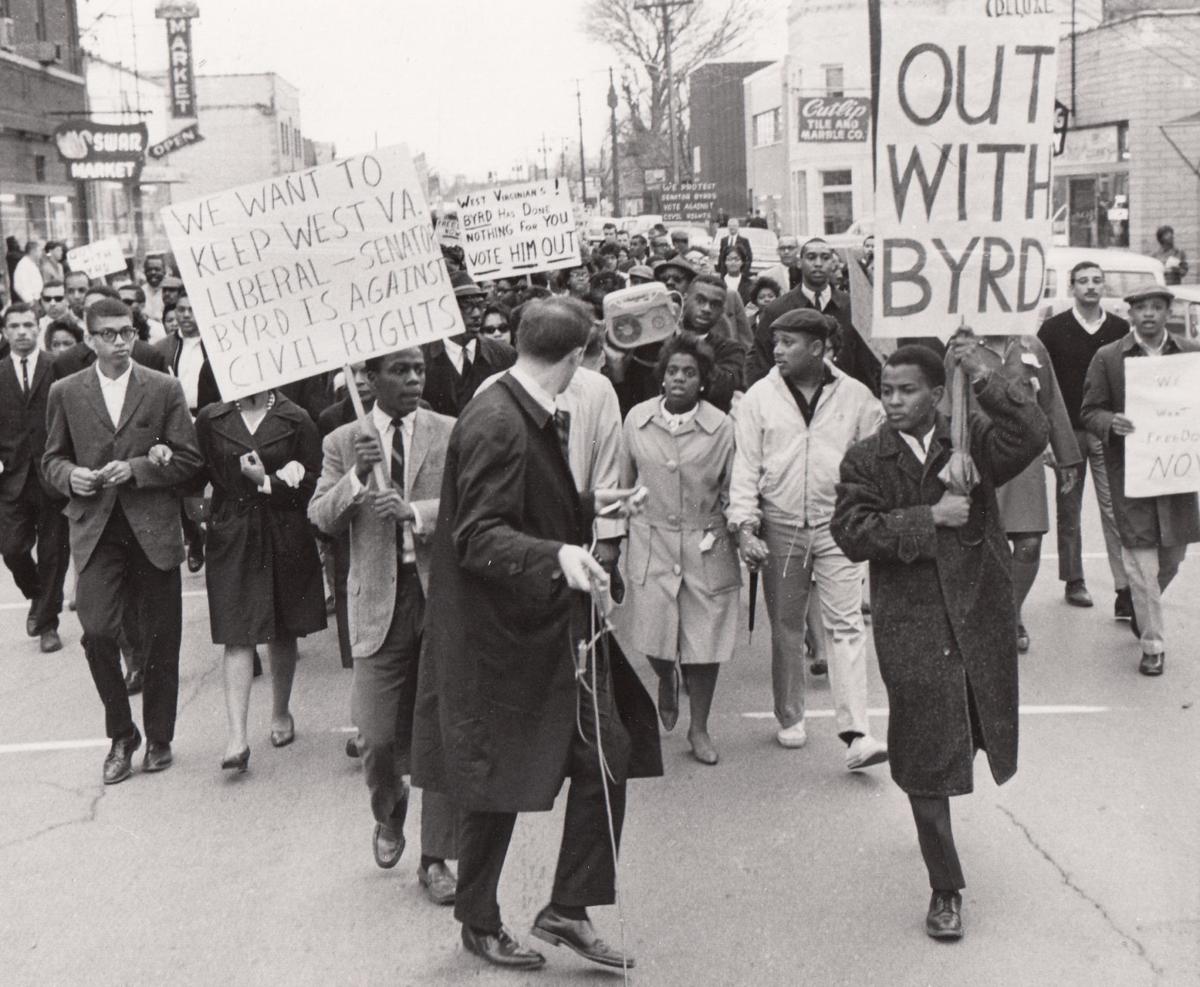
(510, 485)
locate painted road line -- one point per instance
(53, 745)
(825, 714)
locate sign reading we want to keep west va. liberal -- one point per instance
(307, 272)
(964, 142)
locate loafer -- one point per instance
(944, 920)
(195, 556)
(1022, 639)
(352, 747)
(31, 626)
(50, 642)
(578, 935)
(792, 737)
(118, 765)
(1152, 664)
(1077, 593)
(501, 949)
(1123, 605)
(387, 844)
(864, 752)
(158, 756)
(439, 882)
(134, 679)
(819, 667)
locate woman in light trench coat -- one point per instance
(681, 606)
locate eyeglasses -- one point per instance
(53, 298)
(127, 335)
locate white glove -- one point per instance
(291, 474)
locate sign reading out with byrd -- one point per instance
(1162, 399)
(964, 142)
(98, 258)
(513, 230)
(306, 272)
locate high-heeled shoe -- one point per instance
(668, 700)
(238, 762)
(281, 738)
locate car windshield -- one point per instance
(1118, 284)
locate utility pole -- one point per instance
(545, 151)
(665, 7)
(582, 165)
(612, 123)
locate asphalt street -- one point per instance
(774, 867)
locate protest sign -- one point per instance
(448, 232)
(1162, 399)
(303, 273)
(964, 143)
(689, 202)
(97, 259)
(833, 119)
(515, 230)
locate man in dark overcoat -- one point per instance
(941, 589)
(1154, 531)
(502, 719)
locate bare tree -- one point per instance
(705, 30)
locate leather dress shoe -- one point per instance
(579, 935)
(134, 679)
(195, 556)
(158, 756)
(1022, 639)
(501, 949)
(1123, 605)
(352, 747)
(50, 641)
(1077, 593)
(944, 920)
(1152, 664)
(118, 765)
(31, 626)
(819, 666)
(388, 844)
(439, 882)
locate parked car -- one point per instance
(593, 229)
(1123, 271)
(1185, 311)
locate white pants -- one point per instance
(1150, 571)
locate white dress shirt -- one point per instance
(1091, 328)
(30, 365)
(819, 300)
(188, 367)
(113, 392)
(535, 390)
(386, 428)
(919, 446)
(455, 352)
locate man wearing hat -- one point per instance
(1154, 531)
(455, 367)
(640, 274)
(172, 288)
(792, 429)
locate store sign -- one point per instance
(1090, 146)
(180, 71)
(94, 151)
(188, 135)
(653, 178)
(834, 120)
(689, 202)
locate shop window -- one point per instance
(39, 167)
(767, 127)
(837, 200)
(835, 80)
(283, 137)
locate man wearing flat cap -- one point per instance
(455, 367)
(792, 429)
(1154, 531)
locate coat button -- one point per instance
(672, 465)
(946, 652)
(677, 569)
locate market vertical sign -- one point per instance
(964, 143)
(181, 73)
(834, 119)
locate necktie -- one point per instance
(466, 363)
(398, 455)
(25, 374)
(562, 425)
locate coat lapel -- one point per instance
(419, 448)
(41, 375)
(134, 394)
(91, 390)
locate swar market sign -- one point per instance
(832, 120)
(102, 151)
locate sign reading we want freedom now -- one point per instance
(964, 142)
(306, 272)
(1162, 399)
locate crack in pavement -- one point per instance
(197, 683)
(88, 817)
(1137, 945)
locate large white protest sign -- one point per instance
(965, 138)
(1162, 399)
(515, 230)
(306, 272)
(98, 258)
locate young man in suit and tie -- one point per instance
(119, 441)
(30, 514)
(456, 367)
(389, 535)
(83, 355)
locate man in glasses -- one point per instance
(54, 306)
(120, 440)
(83, 355)
(455, 367)
(1071, 339)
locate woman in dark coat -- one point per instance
(941, 590)
(262, 455)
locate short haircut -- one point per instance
(375, 364)
(77, 274)
(1083, 265)
(810, 241)
(608, 250)
(686, 344)
(137, 292)
(19, 308)
(63, 325)
(924, 359)
(103, 289)
(52, 284)
(609, 226)
(638, 236)
(712, 280)
(736, 250)
(499, 308)
(1162, 231)
(680, 236)
(159, 258)
(552, 327)
(763, 284)
(107, 308)
(168, 308)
